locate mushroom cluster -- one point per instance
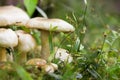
(41, 63)
(8, 38)
(9, 16)
(26, 43)
(23, 41)
(45, 25)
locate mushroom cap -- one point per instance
(26, 42)
(48, 24)
(36, 62)
(48, 69)
(55, 66)
(8, 38)
(63, 55)
(11, 15)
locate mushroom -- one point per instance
(63, 55)
(8, 38)
(26, 43)
(50, 68)
(55, 66)
(11, 15)
(41, 63)
(45, 25)
(36, 62)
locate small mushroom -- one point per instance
(36, 62)
(63, 55)
(50, 68)
(8, 38)
(11, 15)
(45, 25)
(26, 43)
(55, 66)
(41, 63)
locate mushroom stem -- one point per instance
(3, 54)
(10, 57)
(45, 50)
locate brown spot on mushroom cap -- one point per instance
(11, 15)
(36, 62)
(48, 24)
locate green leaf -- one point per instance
(94, 73)
(53, 28)
(30, 6)
(36, 35)
(116, 43)
(106, 46)
(51, 42)
(76, 45)
(113, 71)
(22, 73)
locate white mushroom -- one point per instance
(63, 55)
(8, 38)
(45, 25)
(50, 68)
(55, 66)
(11, 15)
(26, 43)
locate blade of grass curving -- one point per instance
(41, 12)
(22, 73)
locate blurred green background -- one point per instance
(100, 14)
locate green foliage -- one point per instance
(30, 6)
(22, 73)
